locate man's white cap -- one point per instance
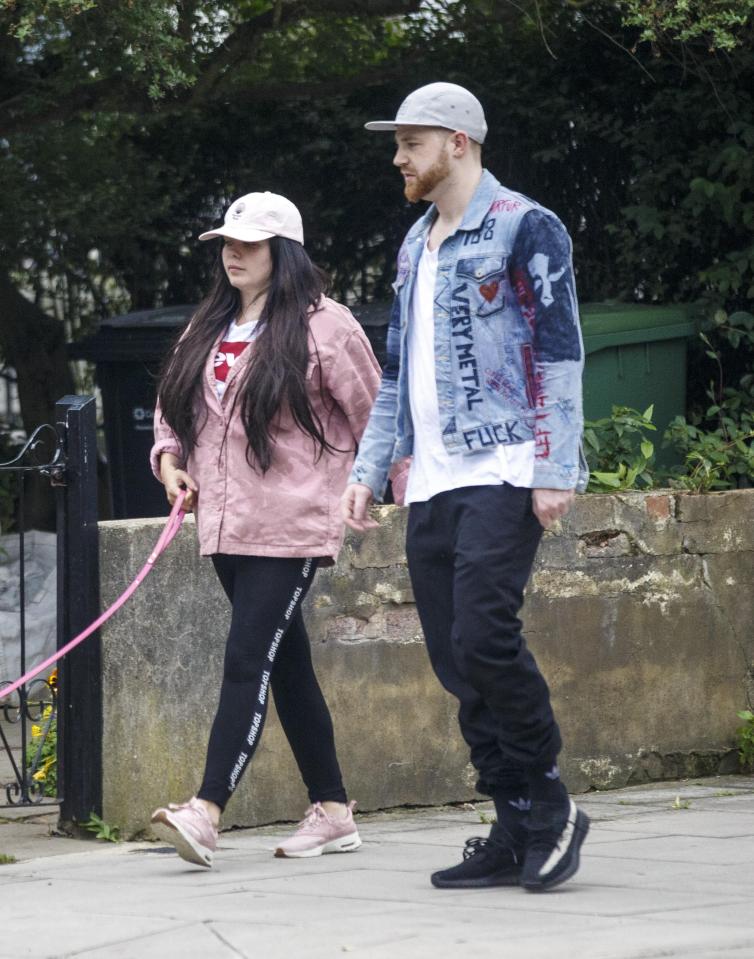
(439, 105)
(258, 216)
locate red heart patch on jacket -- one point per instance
(489, 290)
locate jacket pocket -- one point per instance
(485, 278)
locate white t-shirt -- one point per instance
(433, 469)
(236, 340)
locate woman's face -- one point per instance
(248, 266)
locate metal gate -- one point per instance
(50, 728)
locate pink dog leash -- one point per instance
(166, 538)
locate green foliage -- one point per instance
(745, 740)
(28, 21)
(42, 753)
(128, 126)
(715, 459)
(101, 829)
(6, 859)
(717, 24)
(142, 40)
(717, 443)
(728, 341)
(619, 454)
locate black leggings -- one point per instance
(268, 646)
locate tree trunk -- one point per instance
(33, 343)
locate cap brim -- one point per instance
(244, 234)
(389, 125)
(381, 125)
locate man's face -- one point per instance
(422, 156)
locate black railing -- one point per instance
(80, 711)
(28, 716)
(49, 722)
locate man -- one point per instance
(483, 389)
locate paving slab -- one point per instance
(666, 872)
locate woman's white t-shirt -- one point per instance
(236, 340)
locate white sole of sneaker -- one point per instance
(186, 847)
(343, 844)
(579, 829)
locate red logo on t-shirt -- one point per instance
(226, 356)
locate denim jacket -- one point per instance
(508, 348)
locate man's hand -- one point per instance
(354, 507)
(175, 479)
(551, 504)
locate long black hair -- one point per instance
(275, 379)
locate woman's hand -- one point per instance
(354, 508)
(176, 479)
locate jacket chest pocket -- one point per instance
(485, 278)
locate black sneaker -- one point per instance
(552, 852)
(485, 863)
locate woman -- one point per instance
(260, 407)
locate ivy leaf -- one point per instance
(608, 479)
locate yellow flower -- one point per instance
(36, 732)
(39, 776)
(46, 713)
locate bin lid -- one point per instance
(617, 324)
(132, 337)
(166, 316)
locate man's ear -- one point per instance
(460, 143)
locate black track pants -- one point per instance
(268, 647)
(470, 553)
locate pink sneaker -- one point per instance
(187, 827)
(319, 833)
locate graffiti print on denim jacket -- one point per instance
(486, 277)
(462, 338)
(542, 277)
(492, 434)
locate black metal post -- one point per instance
(80, 687)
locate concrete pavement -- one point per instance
(666, 872)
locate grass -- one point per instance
(6, 860)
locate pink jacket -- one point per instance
(293, 509)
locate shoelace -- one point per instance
(478, 844)
(314, 816)
(474, 846)
(193, 807)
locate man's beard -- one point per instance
(420, 186)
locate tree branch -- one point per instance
(42, 101)
(187, 9)
(244, 41)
